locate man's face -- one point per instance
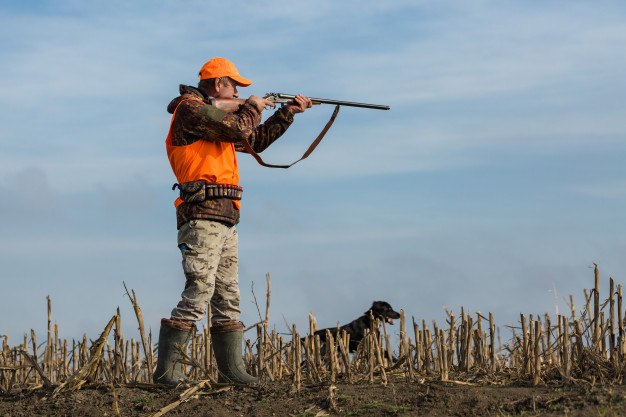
(226, 89)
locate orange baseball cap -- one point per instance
(220, 67)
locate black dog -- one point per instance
(356, 328)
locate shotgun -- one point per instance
(232, 104)
(288, 98)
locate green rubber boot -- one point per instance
(227, 339)
(172, 334)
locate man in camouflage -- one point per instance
(201, 146)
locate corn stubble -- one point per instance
(572, 348)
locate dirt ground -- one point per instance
(398, 398)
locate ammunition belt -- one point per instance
(198, 191)
(224, 190)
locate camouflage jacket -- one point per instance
(197, 120)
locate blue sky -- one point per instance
(496, 177)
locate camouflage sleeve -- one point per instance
(197, 120)
(265, 134)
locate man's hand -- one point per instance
(261, 102)
(299, 104)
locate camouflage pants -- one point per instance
(210, 263)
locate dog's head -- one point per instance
(382, 310)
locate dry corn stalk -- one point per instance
(142, 333)
(89, 371)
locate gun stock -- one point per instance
(227, 104)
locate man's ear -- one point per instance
(217, 86)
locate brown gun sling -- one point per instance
(308, 152)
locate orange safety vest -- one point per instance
(208, 160)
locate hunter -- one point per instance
(201, 146)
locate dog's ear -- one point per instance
(373, 308)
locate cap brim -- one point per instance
(241, 82)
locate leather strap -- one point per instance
(308, 152)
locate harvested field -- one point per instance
(429, 398)
(570, 365)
